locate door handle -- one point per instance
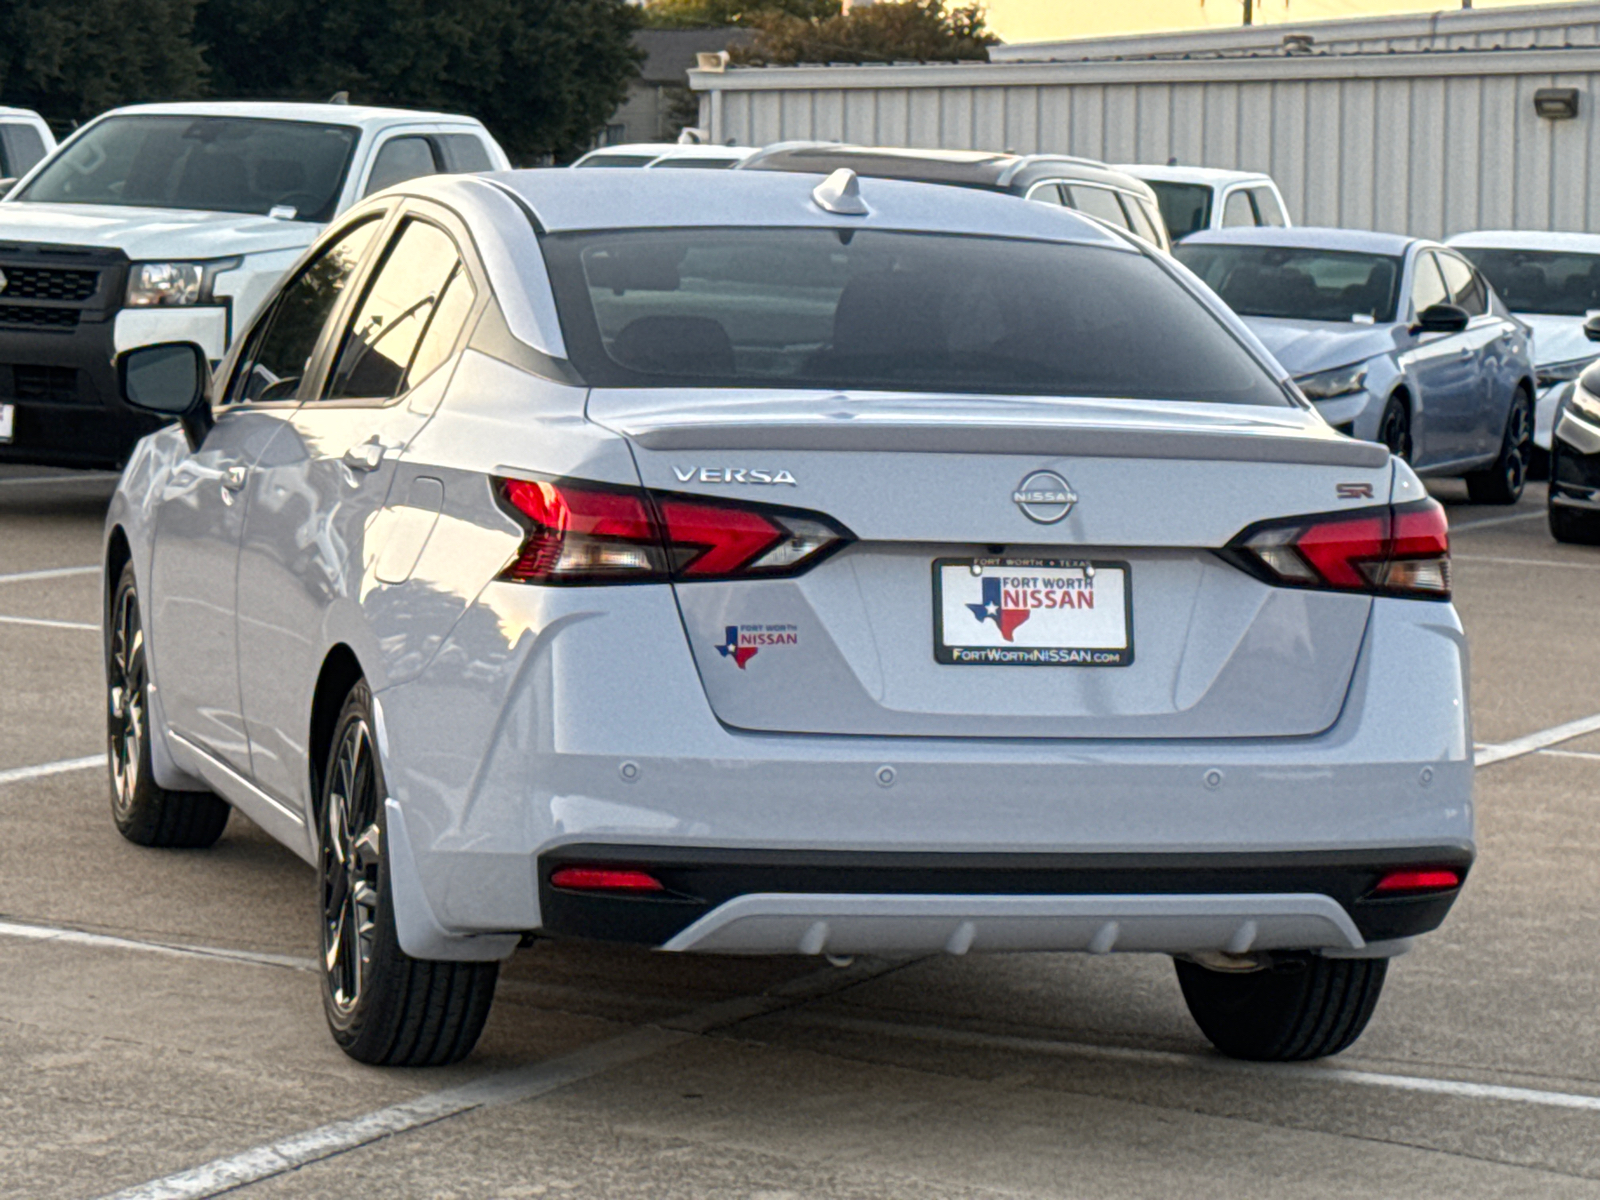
(368, 456)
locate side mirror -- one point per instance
(1591, 327)
(168, 380)
(1441, 318)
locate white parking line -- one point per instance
(1490, 522)
(504, 1087)
(56, 479)
(19, 774)
(1167, 1058)
(46, 623)
(1572, 754)
(1524, 562)
(64, 936)
(1528, 743)
(48, 573)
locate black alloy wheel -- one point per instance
(1502, 481)
(383, 1006)
(145, 812)
(1394, 428)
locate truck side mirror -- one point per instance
(168, 380)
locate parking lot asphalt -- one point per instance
(161, 1032)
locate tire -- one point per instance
(1302, 1007)
(144, 811)
(1502, 483)
(1394, 428)
(383, 1006)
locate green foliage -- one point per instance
(71, 59)
(701, 14)
(922, 30)
(543, 75)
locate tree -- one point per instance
(543, 75)
(923, 30)
(73, 60)
(701, 14)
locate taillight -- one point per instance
(1418, 879)
(1399, 550)
(590, 533)
(605, 879)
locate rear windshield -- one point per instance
(818, 308)
(1540, 281)
(1185, 207)
(1298, 284)
(218, 164)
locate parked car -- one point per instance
(24, 140)
(165, 222)
(1196, 198)
(1551, 283)
(774, 565)
(1091, 187)
(649, 155)
(1395, 339)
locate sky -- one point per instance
(1044, 20)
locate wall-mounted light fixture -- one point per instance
(1556, 104)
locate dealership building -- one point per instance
(1429, 125)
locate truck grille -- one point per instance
(48, 283)
(17, 315)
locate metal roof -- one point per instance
(331, 114)
(1211, 176)
(1310, 237)
(583, 200)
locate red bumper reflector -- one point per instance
(1419, 879)
(604, 879)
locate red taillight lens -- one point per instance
(605, 879)
(1418, 879)
(1391, 551)
(588, 533)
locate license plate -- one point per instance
(8, 422)
(1032, 612)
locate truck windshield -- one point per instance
(217, 164)
(1559, 283)
(890, 311)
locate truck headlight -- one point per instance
(173, 284)
(1340, 381)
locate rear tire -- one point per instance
(145, 812)
(1302, 1007)
(1502, 483)
(383, 1006)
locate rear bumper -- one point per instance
(755, 902)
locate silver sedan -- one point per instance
(771, 564)
(1395, 339)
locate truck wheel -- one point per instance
(1502, 482)
(383, 1006)
(145, 812)
(1301, 1007)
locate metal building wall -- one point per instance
(1424, 143)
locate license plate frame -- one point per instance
(1102, 652)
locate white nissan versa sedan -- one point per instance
(771, 564)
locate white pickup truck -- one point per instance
(170, 223)
(24, 140)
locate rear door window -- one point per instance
(391, 340)
(1237, 211)
(400, 159)
(1098, 202)
(1268, 210)
(463, 152)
